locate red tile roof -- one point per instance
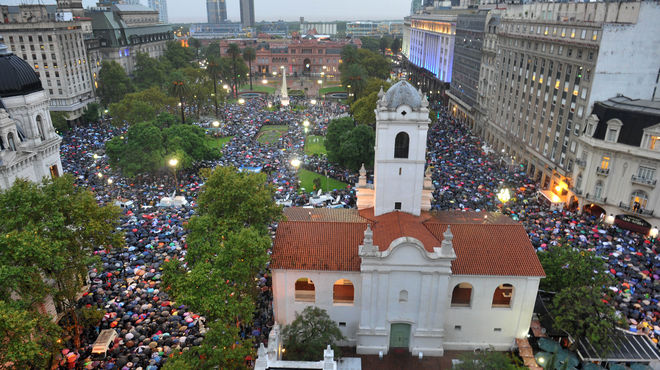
(485, 243)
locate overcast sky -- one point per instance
(289, 10)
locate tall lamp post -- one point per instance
(173, 162)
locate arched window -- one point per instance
(305, 291)
(10, 141)
(343, 291)
(403, 296)
(502, 296)
(461, 295)
(638, 200)
(40, 128)
(401, 143)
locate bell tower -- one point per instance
(402, 122)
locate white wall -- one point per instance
(285, 306)
(629, 58)
(478, 321)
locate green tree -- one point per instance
(29, 339)
(582, 312)
(91, 112)
(113, 83)
(336, 128)
(227, 247)
(355, 76)
(568, 267)
(213, 50)
(177, 55)
(141, 106)
(488, 360)
(59, 120)
(140, 151)
(214, 69)
(396, 46)
(179, 89)
(370, 43)
(148, 72)
(49, 242)
(309, 334)
(234, 56)
(249, 54)
(357, 147)
(383, 44)
(363, 109)
(374, 64)
(195, 44)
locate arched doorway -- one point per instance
(399, 337)
(307, 67)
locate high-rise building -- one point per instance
(161, 7)
(216, 11)
(247, 13)
(467, 64)
(554, 60)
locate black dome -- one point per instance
(16, 76)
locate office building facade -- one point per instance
(247, 13)
(553, 61)
(467, 65)
(216, 11)
(161, 7)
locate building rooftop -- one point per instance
(403, 93)
(635, 114)
(133, 8)
(329, 239)
(16, 76)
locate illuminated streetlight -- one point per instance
(264, 81)
(215, 124)
(173, 162)
(95, 156)
(653, 233)
(270, 105)
(110, 181)
(241, 101)
(306, 123)
(225, 86)
(313, 101)
(504, 195)
(319, 82)
(100, 175)
(295, 163)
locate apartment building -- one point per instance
(553, 61)
(57, 52)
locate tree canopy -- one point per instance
(141, 106)
(113, 83)
(309, 334)
(146, 146)
(488, 360)
(227, 248)
(350, 145)
(148, 72)
(568, 267)
(49, 241)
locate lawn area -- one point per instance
(307, 181)
(257, 87)
(219, 142)
(331, 89)
(270, 134)
(314, 145)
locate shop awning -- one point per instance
(632, 223)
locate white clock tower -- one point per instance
(402, 122)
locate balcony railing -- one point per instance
(595, 199)
(641, 211)
(602, 171)
(643, 180)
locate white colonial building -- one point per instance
(394, 275)
(618, 159)
(29, 145)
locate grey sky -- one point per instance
(289, 10)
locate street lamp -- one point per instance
(225, 86)
(295, 163)
(313, 101)
(653, 233)
(110, 181)
(306, 126)
(216, 124)
(173, 162)
(241, 101)
(264, 81)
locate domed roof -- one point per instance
(403, 93)
(16, 76)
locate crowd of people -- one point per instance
(151, 327)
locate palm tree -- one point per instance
(249, 54)
(179, 89)
(234, 53)
(213, 69)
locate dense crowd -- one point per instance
(466, 176)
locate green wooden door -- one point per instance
(400, 336)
